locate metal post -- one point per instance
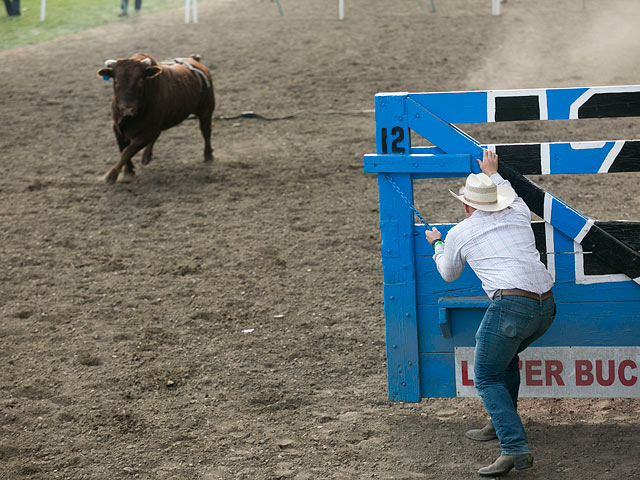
(398, 257)
(279, 8)
(340, 9)
(43, 7)
(187, 10)
(195, 11)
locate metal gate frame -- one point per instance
(597, 279)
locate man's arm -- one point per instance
(448, 259)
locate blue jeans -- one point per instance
(510, 325)
(13, 7)
(125, 4)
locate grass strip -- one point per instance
(65, 17)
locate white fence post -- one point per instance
(340, 9)
(43, 7)
(495, 7)
(191, 11)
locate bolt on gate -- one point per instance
(593, 347)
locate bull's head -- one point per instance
(129, 77)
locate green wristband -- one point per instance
(436, 243)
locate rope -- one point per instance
(253, 115)
(250, 114)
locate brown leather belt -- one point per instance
(523, 293)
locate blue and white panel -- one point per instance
(571, 158)
(514, 105)
(549, 240)
(584, 278)
(600, 102)
(532, 104)
(578, 228)
(608, 156)
(587, 269)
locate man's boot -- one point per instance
(505, 463)
(483, 434)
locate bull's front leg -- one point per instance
(121, 139)
(128, 171)
(125, 160)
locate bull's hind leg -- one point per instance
(205, 128)
(148, 152)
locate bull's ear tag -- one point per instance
(105, 78)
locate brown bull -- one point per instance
(150, 97)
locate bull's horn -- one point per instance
(146, 61)
(109, 63)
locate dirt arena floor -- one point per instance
(122, 308)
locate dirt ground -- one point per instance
(122, 308)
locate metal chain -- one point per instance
(404, 197)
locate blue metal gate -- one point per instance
(593, 348)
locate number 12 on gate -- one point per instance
(396, 137)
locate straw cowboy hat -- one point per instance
(482, 194)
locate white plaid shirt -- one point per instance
(499, 247)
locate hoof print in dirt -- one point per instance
(89, 360)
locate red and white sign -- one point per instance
(565, 372)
